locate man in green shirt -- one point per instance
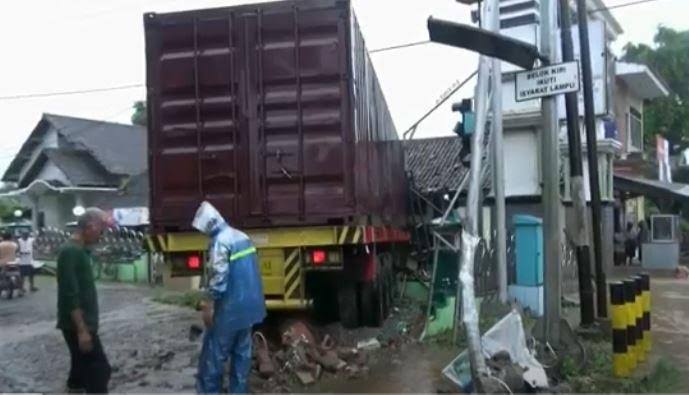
(77, 306)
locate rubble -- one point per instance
(368, 344)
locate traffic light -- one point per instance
(466, 127)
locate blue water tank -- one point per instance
(528, 247)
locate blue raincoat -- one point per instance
(237, 292)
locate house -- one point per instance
(69, 163)
(634, 84)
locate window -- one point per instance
(664, 228)
(635, 130)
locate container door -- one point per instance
(297, 95)
(196, 143)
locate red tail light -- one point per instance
(194, 262)
(318, 257)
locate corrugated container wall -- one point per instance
(273, 112)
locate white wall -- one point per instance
(522, 163)
(49, 141)
(52, 172)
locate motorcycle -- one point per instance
(10, 279)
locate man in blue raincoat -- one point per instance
(236, 303)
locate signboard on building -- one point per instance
(547, 81)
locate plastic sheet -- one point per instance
(507, 335)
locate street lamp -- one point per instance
(78, 211)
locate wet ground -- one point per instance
(149, 348)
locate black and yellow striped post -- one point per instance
(620, 359)
(629, 296)
(646, 301)
(639, 310)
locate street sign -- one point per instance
(547, 81)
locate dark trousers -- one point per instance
(89, 371)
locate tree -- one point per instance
(140, 115)
(7, 209)
(669, 58)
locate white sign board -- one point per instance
(547, 81)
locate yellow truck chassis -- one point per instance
(283, 253)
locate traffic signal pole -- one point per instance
(550, 170)
(498, 166)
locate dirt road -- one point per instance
(147, 343)
(149, 348)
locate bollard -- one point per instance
(629, 296)
(639, 309)
(646, 299)
(620, 359)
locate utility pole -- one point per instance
(498, 167)
(592, 148)
(551, 185)
(578, 234)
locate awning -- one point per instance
(641, 80)
(652, 188)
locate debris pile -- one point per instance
(303, 357)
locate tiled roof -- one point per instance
(80, 168)
(435, 163)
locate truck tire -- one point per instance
(325, 305)
(374, 307)
(347, 305)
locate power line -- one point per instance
(629, 4)
(400, 46)
(98, 124)
(412, 130)
(67, 93)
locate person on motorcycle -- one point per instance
(235, 303)
(8, 262)
(8, 250)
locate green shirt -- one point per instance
(76, 288)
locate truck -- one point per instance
(273, 113)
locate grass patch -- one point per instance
(596, 376)
(188, 299)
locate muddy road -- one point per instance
(149, 349)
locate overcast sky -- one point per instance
(64, 45)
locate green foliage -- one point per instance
(596, 376)
(140, 116)
(669, 57)
(7, 208)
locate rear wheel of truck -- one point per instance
(347, 304)
(373, 297)
(325, 297)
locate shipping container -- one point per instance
(272, 112)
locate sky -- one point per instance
(67, 45)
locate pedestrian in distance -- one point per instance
(642, 237)
(630, 243)
(620, 255)
(26, 260)
(234, 303)
(77, 306)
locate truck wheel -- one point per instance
(347, 305)
(325, 299)
(373, 298)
